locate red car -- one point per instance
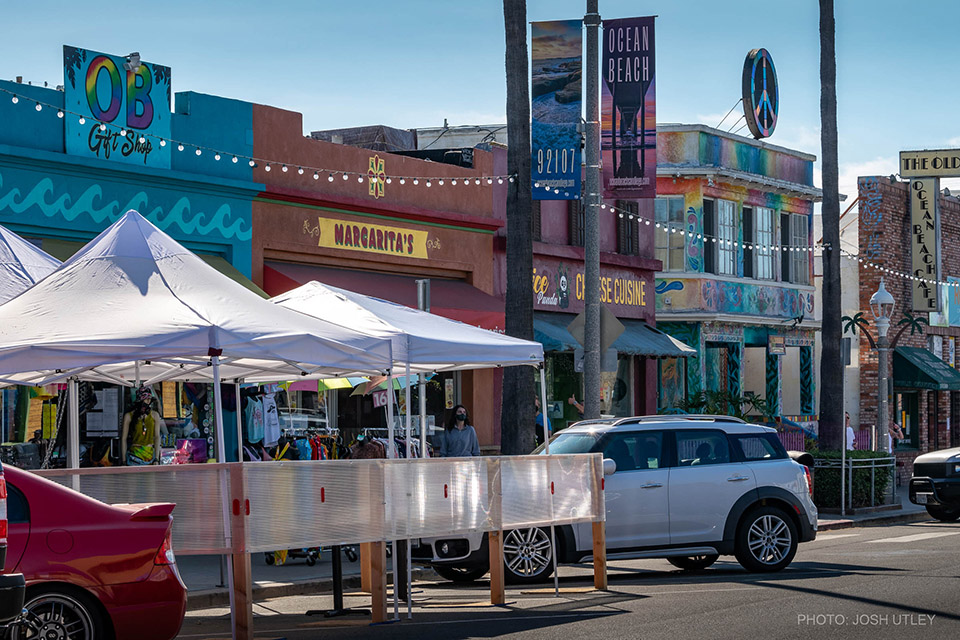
(93, 571)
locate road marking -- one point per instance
(916, 537)
(835, 536)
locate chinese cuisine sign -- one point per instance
(124, 107)
(925, 238)
(556, 96)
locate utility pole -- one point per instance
(591, 224)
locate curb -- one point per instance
(894, 518)
(210, 598)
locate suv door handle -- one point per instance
(737, 478)
(651, 485)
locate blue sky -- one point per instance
(414, 63)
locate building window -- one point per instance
(669, 242)
(575, 217)
(535, 214)
(628, 234)
(709, 233)
(800, 260)
(726, 235)
(763, 239)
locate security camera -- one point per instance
(133, 62)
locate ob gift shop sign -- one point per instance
(131, 101)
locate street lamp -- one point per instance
(881, 304)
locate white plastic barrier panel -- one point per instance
(197, 490)
(289, 505)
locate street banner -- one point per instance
(925, 243)
(628, 109)
(124, 104)
(556, 97)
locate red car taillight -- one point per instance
(809, 476)
(3, 512)
(165, 552)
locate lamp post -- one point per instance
(881, 304)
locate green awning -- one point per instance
(638, 338)
(63, 250)
(915, 368)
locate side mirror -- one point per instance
(609, 467)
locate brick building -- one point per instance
(926, 388)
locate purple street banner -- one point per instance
(556, 96)
(628, 108)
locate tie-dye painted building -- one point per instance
(733, 230)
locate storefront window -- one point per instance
(672, 382)
(617, 389)
(670, 244)
(907, 413)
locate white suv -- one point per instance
(685, 488)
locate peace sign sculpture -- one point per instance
(761, 93)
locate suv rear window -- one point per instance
(763, 446)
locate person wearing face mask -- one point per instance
(459, 438)
(142, 431)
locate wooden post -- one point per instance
(242, 576)
(600, 555)
(378, 581)
(366, 557)
(497, 595)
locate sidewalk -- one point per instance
(908, 512)
(202, 573)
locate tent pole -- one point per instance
(546, 445)
(221, 458)
(73, 431)
(239, 422)
(409, 403)
(136, 372)
(390, 454)
(423, 415)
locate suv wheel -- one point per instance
(527, 555)
(693, 563)
(460, 574)
(59, 614)
(944, 514)
(766, 540)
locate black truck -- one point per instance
(936, 483)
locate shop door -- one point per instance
(908, 415)
(933, 420)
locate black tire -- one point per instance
(944, 514)
(693, 563)
(311, 559)
(766, 540)
(460, 574)
(57, 612)
(268, 558)
(351, 554)
(527, 555)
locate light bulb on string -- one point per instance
(103, 127)
(143, 140)
(489, 181)
(360, 179)
(14, 99)
(477, 182)
(440, 182)
(60, 114)
(429, 184)
(267, 168)
(511, 178)
(300, 170)
(389, 180)
(499, 180)
(346, 177)
(199, 151)
(283, 168)
(252, 163)
(39, 107)
(82, 120)
(179, 147)
(216, 156)
(403, 181)
(453, 182)
(123, 133)
(416, 181)
(234, 160)
(316, 176)
(330, 177)
(163, 143)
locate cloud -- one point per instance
(954, 142)
(850, 171)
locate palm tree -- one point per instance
(517, 410)
(909, 321)
(858, 322)
(831, 361)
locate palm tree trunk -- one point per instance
(517, 411)
(831, 363)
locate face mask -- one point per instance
(461, 416)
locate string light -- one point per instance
(893, 272)
(235, 158)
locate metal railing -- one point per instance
(876, 467)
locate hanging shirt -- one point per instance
(253, 419)
(271, 420)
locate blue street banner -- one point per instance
(131, 98)
(556, 97)
(628, 109)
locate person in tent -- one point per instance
(142, 429)
(459, 438)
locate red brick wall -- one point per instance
(884, 237)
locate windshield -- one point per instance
(570, 443)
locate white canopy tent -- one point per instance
(22, 265)
(422, 343)
(135, 296)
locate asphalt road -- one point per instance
(899, 581)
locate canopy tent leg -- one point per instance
(409, 425)
(546, 445)
(239, 423)
(390, 454)
(423, 415)
(73, 431)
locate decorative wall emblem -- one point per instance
(377, 177)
